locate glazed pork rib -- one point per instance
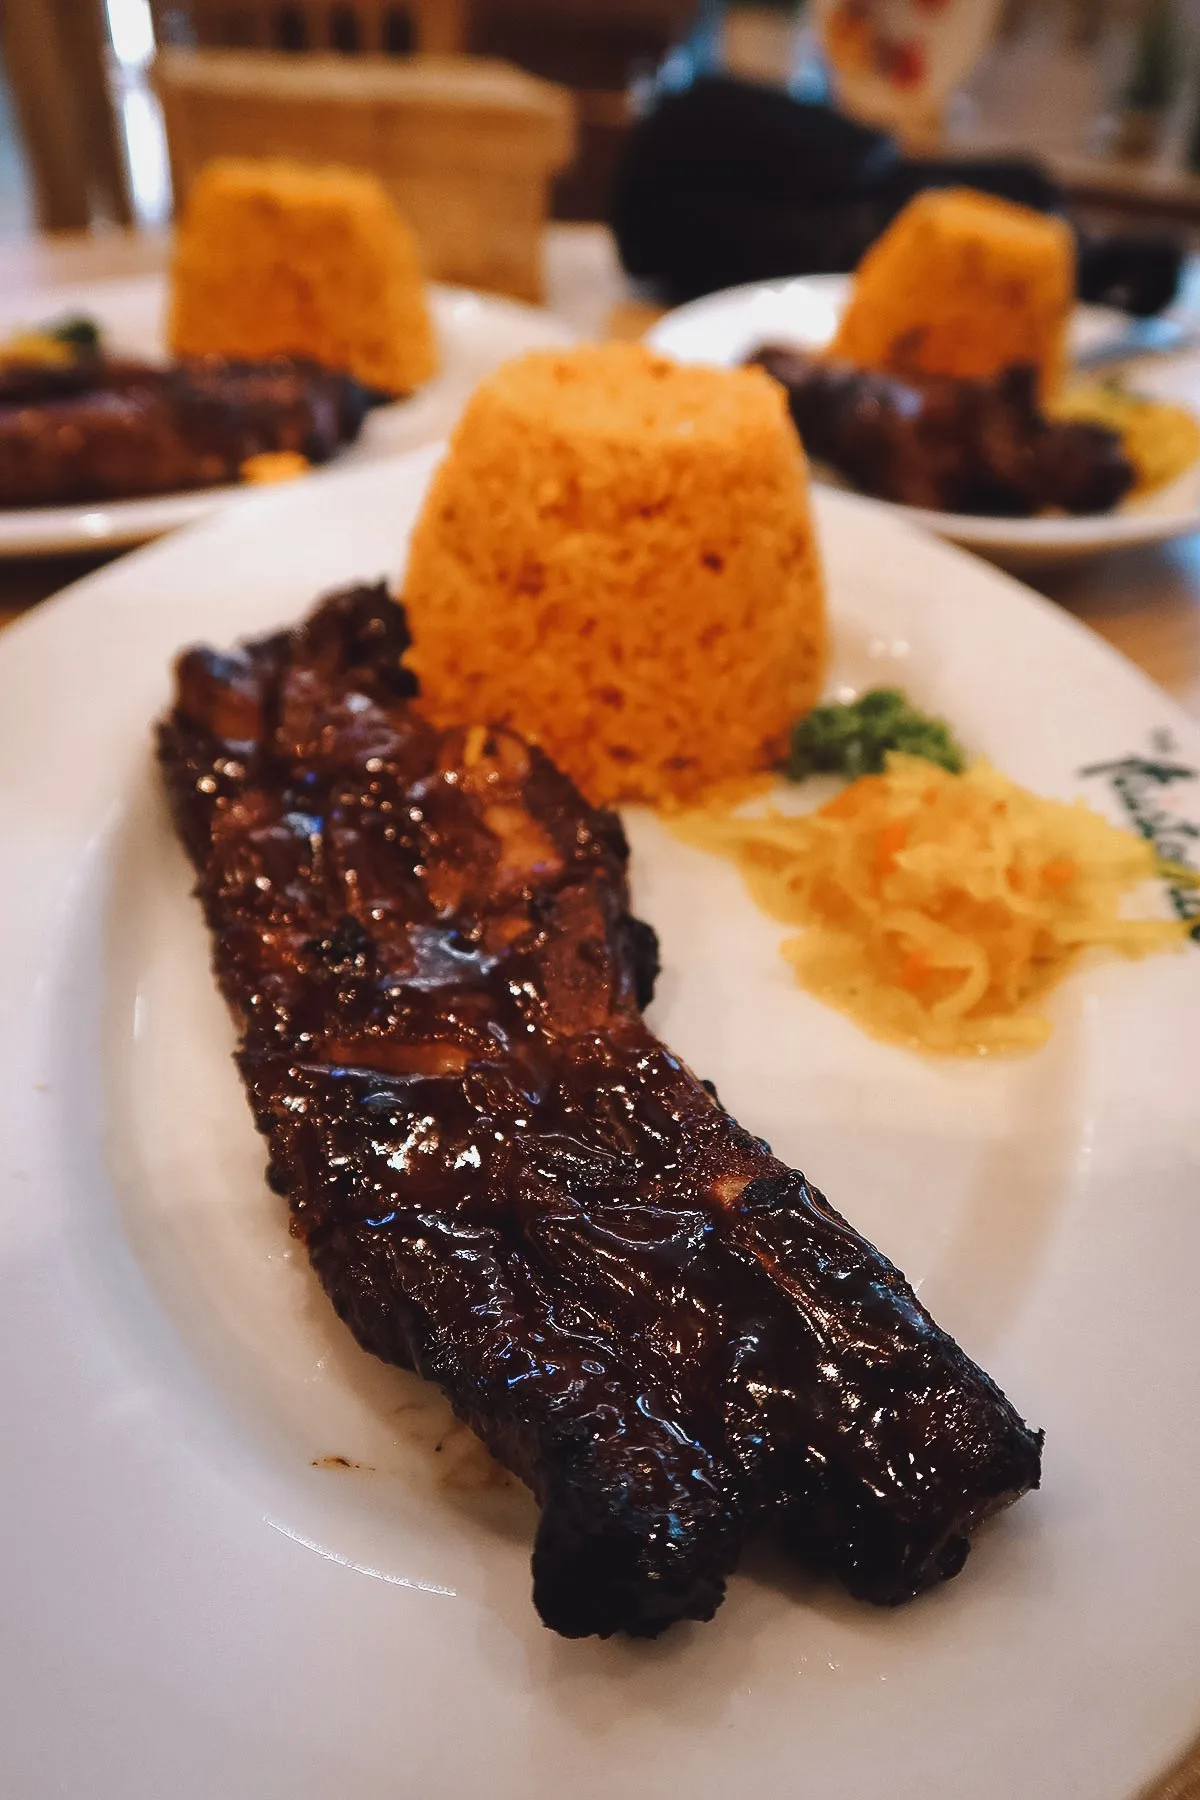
(508, 1184)
(113, 429)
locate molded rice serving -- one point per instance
(617, 558)
(963, 284)
(273, 258)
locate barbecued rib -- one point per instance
(111, 429)
(950, 443)
(506, 1182)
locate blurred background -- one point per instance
(106, 104)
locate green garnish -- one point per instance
(79, 331)
(854, 739)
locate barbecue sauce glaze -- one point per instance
(507, 1183)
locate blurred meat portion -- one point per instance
(946, 444)
(107, 429)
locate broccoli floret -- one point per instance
(80, 332)
(854, 739)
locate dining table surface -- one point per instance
(1145, 602)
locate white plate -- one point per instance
(475, 331)
(192, 1608)
(724, 328)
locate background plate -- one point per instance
(725, 328)
(475, 331)
(202, 1598)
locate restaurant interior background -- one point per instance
(1105, 89)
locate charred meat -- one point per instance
(507, 1183)
(107, 429)
(950, 445)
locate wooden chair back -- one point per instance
(592, 45)
(56, 54)
(350, 27)
(596, 48)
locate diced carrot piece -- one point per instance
(914, 971)
(1059, 871)
(851, 800)
(892, 838)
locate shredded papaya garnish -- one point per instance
(939, 909)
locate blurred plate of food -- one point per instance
(1057, 448)
(130, 407)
